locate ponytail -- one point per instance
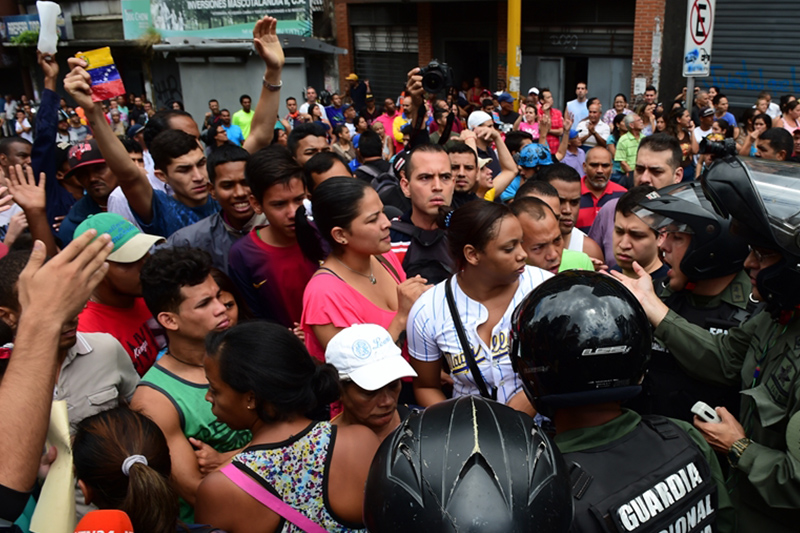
(325, 384)
(308, 237)
(123, 457)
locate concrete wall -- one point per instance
(201, 82)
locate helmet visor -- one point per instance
(684, 192)
(778, 185)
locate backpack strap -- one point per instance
(370, 171)
(266, 498)
(462, 337)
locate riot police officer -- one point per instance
(706, 285)
(763, 354)
(581, 345)
(468, 464)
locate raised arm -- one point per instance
(130, 177)
(32, 199)
(26, 391)
(43, 153)
(265, 115)
(562, 146)
(508, 167)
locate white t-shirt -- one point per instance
(432, 334)
(699, 135)
(576, 240)
(118, 203)
(304, 109)
(27, 135)
(602, 129)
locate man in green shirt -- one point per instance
(628, 144)
(581, 344)
(761, 356)
(185, 300)
(244, 116)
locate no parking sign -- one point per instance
(699, 27)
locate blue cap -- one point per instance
(505, 97)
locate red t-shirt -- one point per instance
(131, 327)
(271, 278)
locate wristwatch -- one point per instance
(736, 451)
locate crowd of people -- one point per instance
(240, 312)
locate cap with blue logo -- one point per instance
(366, 355)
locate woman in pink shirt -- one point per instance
(361, 281)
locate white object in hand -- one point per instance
(48, 33)
(706, 413)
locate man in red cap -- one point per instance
(88, 165)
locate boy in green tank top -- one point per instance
(180, 292)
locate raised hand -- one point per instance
(569, 119)
(48, 65)
(6, 200)
(79, 268)
(78, 83)
(27, 194)
(267, 44)
(16, 226)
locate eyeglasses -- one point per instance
(760, 256)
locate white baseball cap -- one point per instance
(366, 355)
(533, 90)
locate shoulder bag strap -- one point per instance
(462, 338)
(257, 491)
(385, 262)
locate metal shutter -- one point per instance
(384, 55)
(754, 49)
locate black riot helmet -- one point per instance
(763, 199)
(468, 465)
(713, 252)
(580, 338)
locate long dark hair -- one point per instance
(101, 445)
(226, 284)
(336, 204)
(672, 124)
(474, 223)
(271, 362)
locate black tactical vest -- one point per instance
(667, 389)
(654, 479)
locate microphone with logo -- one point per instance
(105, 521)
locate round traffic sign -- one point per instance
(700, 21)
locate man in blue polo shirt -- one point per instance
(234, 132)
(179, 160)
(596, 187)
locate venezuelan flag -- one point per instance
(106, 82)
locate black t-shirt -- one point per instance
(461, 198)
(511, 118)
(359, 96)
